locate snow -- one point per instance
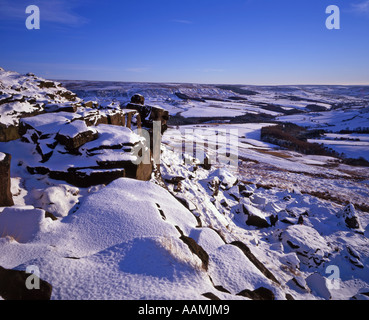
(306, 240)
(25, 96)
(204, 110)
(50, 123)
(226, 178)
(112, 136)
(74, 128)
(208, 238)
(350, 149)
(8, 110)
(21, 223)
(333, 121)
(103, 232)
(291, 260)
(233, 271)
(58, 200)
(129, 244)
(317, 284)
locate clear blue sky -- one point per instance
(202, 41)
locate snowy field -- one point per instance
(354, 145)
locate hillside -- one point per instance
(273, 224)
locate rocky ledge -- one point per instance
(76, 141)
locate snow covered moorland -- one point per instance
(228, 213)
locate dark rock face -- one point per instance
(13, 286)
(352, 223)
(247, 252)
(6, 199)
(83, 178)
(211, 296)
(138, 99)
(154, 121)
(8, 133)
(206, 165)
(258, 294)
(197, 250)
(255, 220)
(74, 142)
(350, 217)
(149, 114)
(158, 114)
(46, 84)
(56, 108)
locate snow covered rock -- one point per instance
(246, 190)
(100, 222)
(318, 285)
(234, 193)
(300, 282)
(256, 199)
(47, 124)
(278, 246)
(234, 271)
(291, 260)
(26, 95)
(75, 135)
(21, 223)
(255, 217)
(126, 118)
(120, 233)
(149, 114)
(62, 107)
(363, 294)
(255, 261)
(310, 247)
(349, 215)
(186, 202)
(83, 155)
(208, 238)
(172, 179)
(138, 235)
(57, 200)
(367, 231)
(354, 257)
(6, 198)
(227, 180)
(287, 216)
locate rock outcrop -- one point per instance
(6, 198)
(149, 114)
(311, 248)
(348, 214)
(26, 96)
(13, 286)
(78, 141)
(82, 154)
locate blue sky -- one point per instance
(202, 41)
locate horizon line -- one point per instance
(216, 84)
